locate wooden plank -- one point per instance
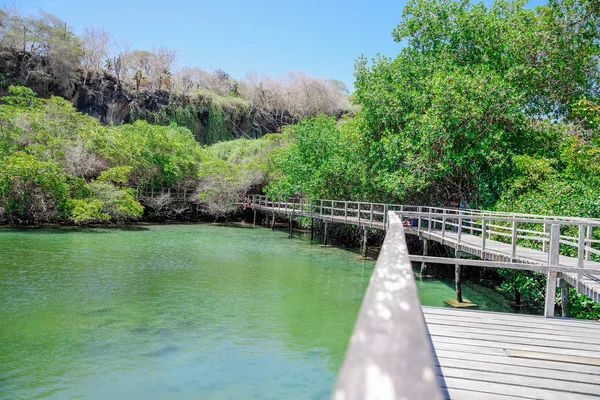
(565, 371)
(390, 354)
(535, 355)
(452, 324)
(514, 391)
(460, 394)
(546, 340)
(561, 387)
(504, 345)
(512, 318)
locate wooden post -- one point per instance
(429, 219)
(443, 224)
(359, 213)
(291, 224)
(385, 216)
(457, 278)
(589, 238)
(273, 221)
(254, 220)
(371, 216)
(553, 259)
(460, 227)
(514, 240)
(581, 247)
(483, 235)
(312, 229)
(544, 241)
(425, 253)
(332, 207)
(564, 299)
(346, 211)
(325, 235)
(364, 244)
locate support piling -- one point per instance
(364, 242)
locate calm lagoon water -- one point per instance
(179, 312)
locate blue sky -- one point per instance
(322, 38)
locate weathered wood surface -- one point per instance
(389, 355)
(556, 356)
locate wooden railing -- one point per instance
(480, 233)
(175, 193)
(390, 355)
(577, 236)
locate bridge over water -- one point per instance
(400, 350)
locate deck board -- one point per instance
(473, 362)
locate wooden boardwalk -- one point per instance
(526, 237)
(401, 350)
(497, 251)
(484, 355)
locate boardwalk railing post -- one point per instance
(429, 219)
(443, 223)
(483, 236)
(460, 226)
(545, 238)
(581, 253)
(589, 242)
(420, 220)
(581, 246)
(346, 211)
(514, 240)
(553, 260)
(358, 213)
(371, 216)
(332, 208)
(386, 218)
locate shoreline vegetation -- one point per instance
(495, 107)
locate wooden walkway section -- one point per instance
(519, 241)
(484, 355)
(401, 350)
(496, 251)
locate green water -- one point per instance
(177, 312)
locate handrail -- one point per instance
(390, 354)
(578, 237)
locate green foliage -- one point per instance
(233, 169)
(324, 159)
(115, 174)
(30, 190)
(21, 97)
(84, 211)
(582, 306)
(59, 164)
(531, 285)
(118, 203)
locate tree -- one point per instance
(40, 52)
(120, 59)
(161, 62)
(95, 44)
